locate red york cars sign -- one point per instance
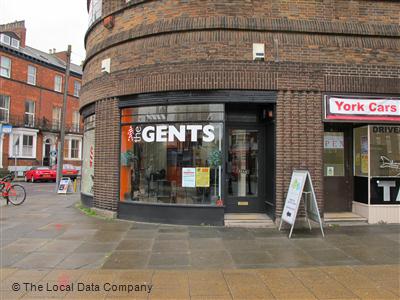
(338, 108)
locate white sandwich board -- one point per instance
(300, 188)
(65, 186)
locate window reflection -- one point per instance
(171, 162)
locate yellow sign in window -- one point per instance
(202, 177)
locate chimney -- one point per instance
(61, 55)
(18, 27)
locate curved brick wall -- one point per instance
(312, 47)
(163, 45)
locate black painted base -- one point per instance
(172, 214)
(87, 200)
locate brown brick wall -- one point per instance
(312, 47)
(299, 141)
(107, 153)
(145, 13)
(42, 94)
(237, 47)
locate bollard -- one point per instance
(75, 185)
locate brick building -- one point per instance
(31, 97)
(189, 102)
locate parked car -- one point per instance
(68, 171)
(40, 173)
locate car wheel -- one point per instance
(32, 179)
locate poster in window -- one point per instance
(202, 177)
(364, 154)
(188, 177)
(88, 163)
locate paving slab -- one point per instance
(127, 260)
(63, 245)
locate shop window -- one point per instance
(334, 154)
(385, 151)
(361, 151)
(172, 154)
(88, 156)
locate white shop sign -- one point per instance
(362, 109)
(300, 188)
(170, 133)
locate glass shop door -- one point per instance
(244, 178)
(338, 182)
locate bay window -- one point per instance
(23, 143)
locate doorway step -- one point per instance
(248, 221)
(344, 218)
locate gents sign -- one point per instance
(170, 133)
(355, 109)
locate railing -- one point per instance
(44, 124)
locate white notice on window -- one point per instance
(188, 177)
(333, 141)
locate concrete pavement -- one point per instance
(340, 282)
(48, 240)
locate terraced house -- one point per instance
(31, 97)
(196, 110)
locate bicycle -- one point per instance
(14, 193)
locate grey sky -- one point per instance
(50, 23)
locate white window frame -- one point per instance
(68, 143)
(21, 133)
(7, 109)
(27, 113)
(15, 43)
(77, 91)
(5, 39)
(31, 77)
(58, 81)
(53, 120)
(76, 118)
(95, 10)
(3, 68)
